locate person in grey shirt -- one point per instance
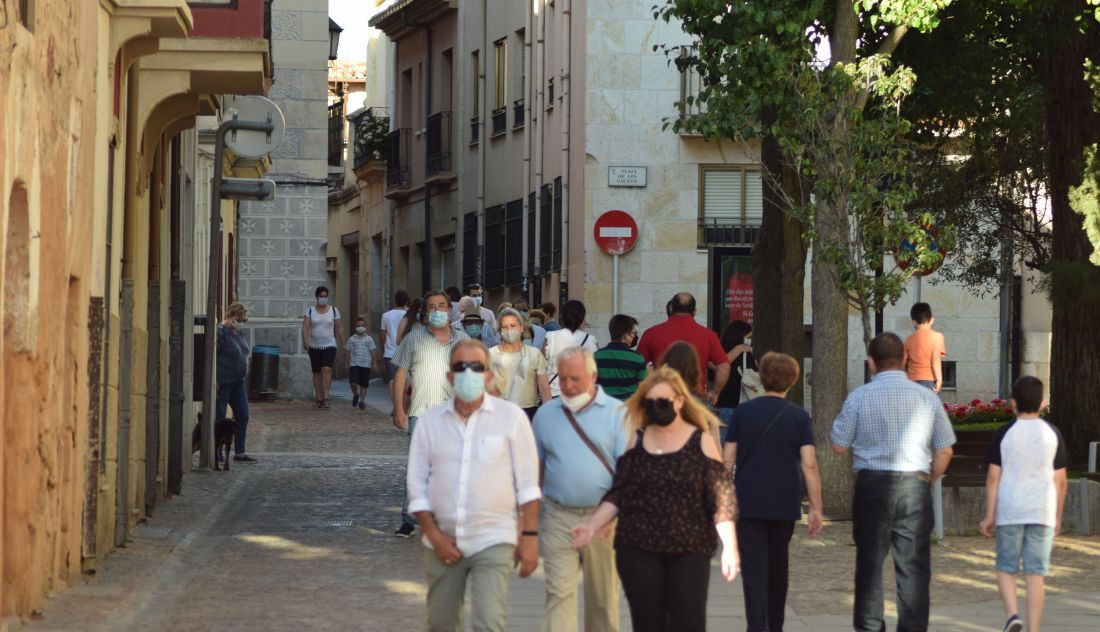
(425, 352)
(901, 441)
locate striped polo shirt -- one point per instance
(422, 355)
(620, 368)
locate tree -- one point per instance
(836, 125)
(1014, 95)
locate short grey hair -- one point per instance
(468, 343)
(466, 301)
(573, 352)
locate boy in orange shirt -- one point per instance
(924, 349)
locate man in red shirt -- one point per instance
(681, 325)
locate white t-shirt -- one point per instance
(391, 322)
(1028, 452)
(558, 341)
(322, 327)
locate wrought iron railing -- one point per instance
(726, 232)
(439, 148)
(475, 129)
(336, 134)
(517, 113)
(500, 120)
(398, 171)
(370, 127)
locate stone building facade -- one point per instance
(283, 241)
(97, 290)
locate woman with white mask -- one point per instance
(519, 370)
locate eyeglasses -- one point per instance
(476, 367)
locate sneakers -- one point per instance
(362, 404)
(1014, 624)
(324, 404)
(354, 401)
(244, 458)
(404, 531)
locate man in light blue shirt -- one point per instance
(901, 441)
(574, 482)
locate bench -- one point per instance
(967, 469)
(1083, 525)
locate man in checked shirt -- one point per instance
(472, 463)
(901, 441)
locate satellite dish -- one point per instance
(250, 144)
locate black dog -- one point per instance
(225, 431)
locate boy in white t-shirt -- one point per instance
(1025, 492)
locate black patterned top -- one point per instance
(669, 503)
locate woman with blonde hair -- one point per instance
(519, 370)
(232, 357)
(675, 503)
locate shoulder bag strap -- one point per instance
(587, 441)
(749, 450)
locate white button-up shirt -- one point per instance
(472, 475)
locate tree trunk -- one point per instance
(830, 358)
(1072, 125)
(779, 263)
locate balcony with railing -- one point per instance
(500, 121)
(440, 148)
(336, 134)
(518, 117)
(370, 128)
(398, 165)
(715, 231)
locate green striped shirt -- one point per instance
(620, 368)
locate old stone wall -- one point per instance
(47, 92)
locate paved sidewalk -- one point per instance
(302, 540)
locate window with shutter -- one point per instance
(469, 249)
(557, 224)
(494, 247)
(513, 244)
(731, 201)
(546, 228)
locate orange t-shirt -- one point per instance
(921, 348)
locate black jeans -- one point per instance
(892, 511)
(667, 592)
(764, 570)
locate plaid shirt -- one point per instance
(360, 350)
(892, 424)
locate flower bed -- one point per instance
(978, 414)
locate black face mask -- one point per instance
(659, 411)
(634, 341)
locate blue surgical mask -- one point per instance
(469, 385)
(477, 301)
(437, 319)
(524, 315)
(473, 331)
(322, 301)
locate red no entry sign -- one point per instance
(615, 232)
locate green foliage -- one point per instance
(837, 123)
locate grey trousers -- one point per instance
(487, 571)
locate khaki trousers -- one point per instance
(562, 567)
(488, 572)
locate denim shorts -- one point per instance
(1030, 542)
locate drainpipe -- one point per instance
(528, 122)
(426, 255)
(539, 114)
(483, 139)
(391, 90)
(1005, 364)
(566, 56)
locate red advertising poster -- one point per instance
(738, 297)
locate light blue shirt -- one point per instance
(574, 477)
(892, 424)
(538, 336)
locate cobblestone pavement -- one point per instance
(302, 539)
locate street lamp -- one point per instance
(334, 31)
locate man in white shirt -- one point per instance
(471, 463)
(473, 292)
(391, 322)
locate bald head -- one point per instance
(683, 303)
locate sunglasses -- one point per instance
(476, 367)
(659, 402)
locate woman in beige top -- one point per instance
(519, 370)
